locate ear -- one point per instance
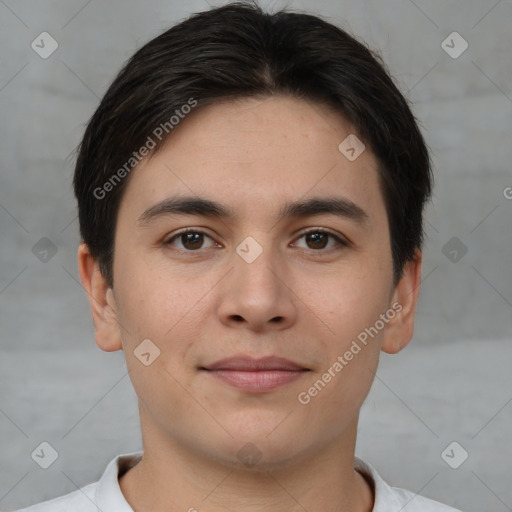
(102, 301)
(400, 328)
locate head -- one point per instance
(232, 124)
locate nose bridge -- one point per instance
(255, 292)
(255, 260)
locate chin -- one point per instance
(265, 449)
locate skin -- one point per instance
(297, 300)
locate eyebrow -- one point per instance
(189, 205)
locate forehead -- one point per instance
(257, 154)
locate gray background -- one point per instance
(453, 383)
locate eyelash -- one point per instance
(340, 242)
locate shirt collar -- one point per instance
(110, 497)
(108, 492)
(383, 493)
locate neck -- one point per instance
(170, 477)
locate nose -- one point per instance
(257, 294)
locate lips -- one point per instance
(256, 375)
(247, 364)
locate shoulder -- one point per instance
(394, 499)
(412, 502)
(81, 500)
(103, 495)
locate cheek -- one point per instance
(352, 302)
(356, 306)
(339, 386)
(144, 293)
(168, 309)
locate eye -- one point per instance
(318, 239)
(191, 239)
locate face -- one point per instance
(257, 314)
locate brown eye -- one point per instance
(318, 240)
(190, 240)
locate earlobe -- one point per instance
(400, 329)
(102, 301)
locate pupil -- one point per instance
(192, 239)
(316, 237)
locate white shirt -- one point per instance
(106, 496)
